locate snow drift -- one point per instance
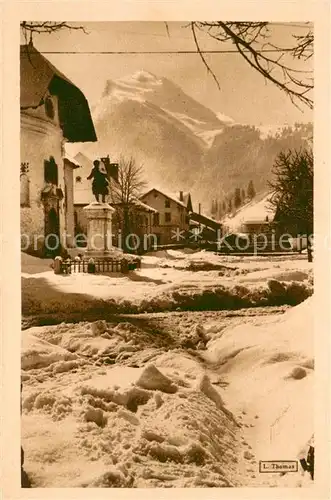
(127, 407)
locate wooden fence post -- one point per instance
(58, 265)
(124, 266)
(91, 266)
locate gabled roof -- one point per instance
(83, 158)
(206, 221)
(38, 75)
(140, 205)
(73, 163)
(254, 212)
(170, 196)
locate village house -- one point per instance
(140, 215)
(172, 215)
(53, 112)
(256, 221)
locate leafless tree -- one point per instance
(130, 184)
(31, 28)
(252, 41)
(125, 193)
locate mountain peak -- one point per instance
(144, 76)
(141, 78)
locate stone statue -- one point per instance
(100, 182)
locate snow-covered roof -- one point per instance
(37, 77)
(145, 206)
(169, 195)
(72, 160)
(255, 211)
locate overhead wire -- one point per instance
(132, 52)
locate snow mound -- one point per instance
(38, 353)
(271, 369)
(188, 429)
(204, 385)
(151, 378)
(131, 397)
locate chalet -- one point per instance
(255, 217)
(172, 215)
(53, 112)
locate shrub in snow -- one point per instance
(277, 288)
(293, 293)
(297, 293)
(297, 373)
(151, 378)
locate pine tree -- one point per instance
(251, 190)
(294, 193)
(237, 198)
(220, 212)
(213, 208)
(224, 207)
(243, 195)
(230, 205)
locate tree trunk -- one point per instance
(309, 247)
(126, 229)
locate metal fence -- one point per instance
(95, 266)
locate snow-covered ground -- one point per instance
(116, 405)
(168, 399)
(170, 280)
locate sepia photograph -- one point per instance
(167, 254)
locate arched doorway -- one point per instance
(52, 232)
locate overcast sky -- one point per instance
(244, 95)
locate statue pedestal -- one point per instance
(99, 231)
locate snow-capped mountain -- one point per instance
(146, 88)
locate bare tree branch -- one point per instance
(167, 28)
(130, 184)
(251, 39)
(201, 54)
(29, 28)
